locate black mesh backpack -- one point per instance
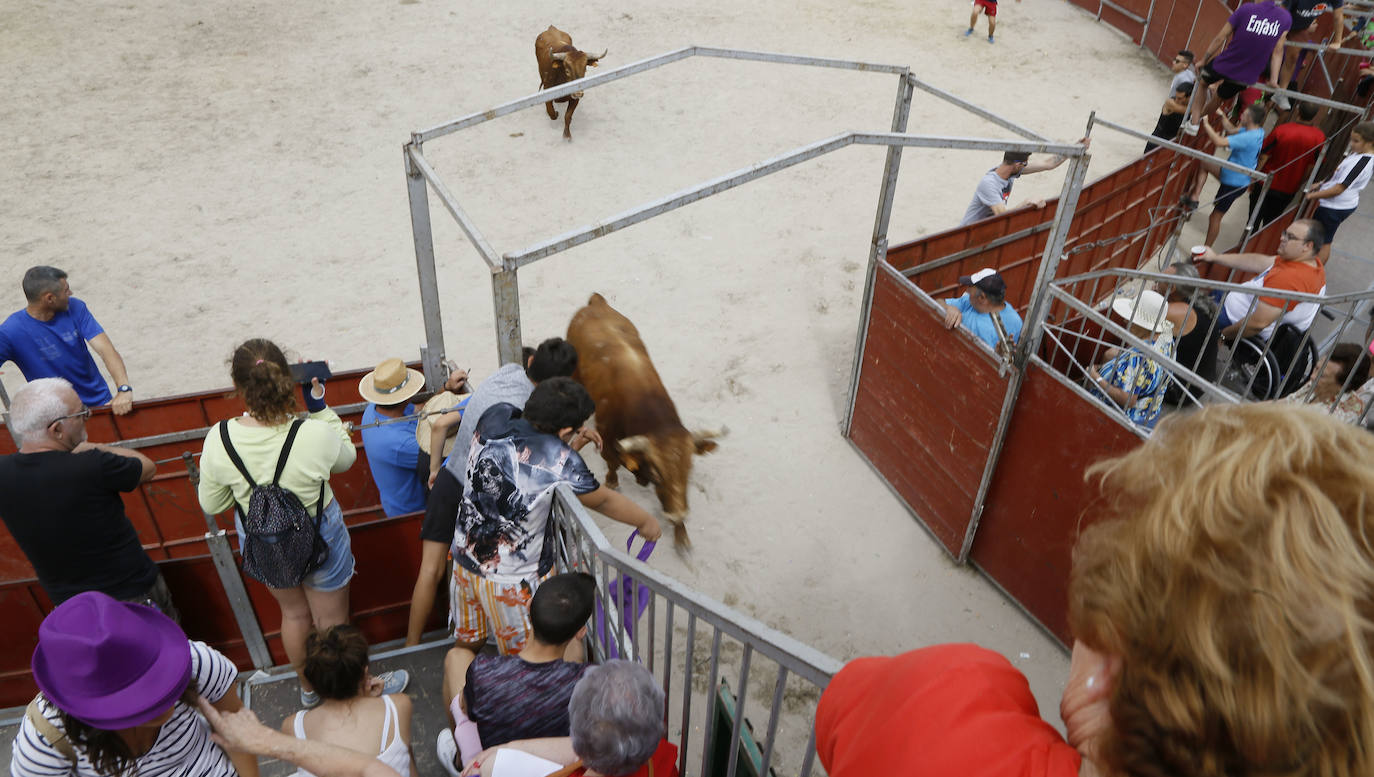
(281, 542)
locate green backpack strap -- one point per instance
(48, 731)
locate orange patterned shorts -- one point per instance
(479, 607)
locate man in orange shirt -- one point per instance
(1295, 268)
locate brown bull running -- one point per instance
(559, 63)
(638, 422)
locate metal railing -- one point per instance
(1245, 369)
(691, 643)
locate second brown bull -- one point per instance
(637, 420)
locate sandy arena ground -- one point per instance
(212, 171)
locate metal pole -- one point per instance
(217, 540)
(505, 303)
(1254, 215)
(877, 251)
(433, 353)
(1149, 15)
(1030, 336)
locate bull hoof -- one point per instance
(553, 116)
(613, 482)
(567, 136)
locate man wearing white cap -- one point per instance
(393, 453)
(983, 310)
(1131, 379)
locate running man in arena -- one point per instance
(988, 9)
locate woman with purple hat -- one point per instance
(118, 685)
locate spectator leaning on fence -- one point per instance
(48, 338)
(1340, 195)
(393, 452)
(1338, 386)
(1288, 153)
(1131, 377)
(1296, 267)
(994, 189)
(983, 310)
(59, 497)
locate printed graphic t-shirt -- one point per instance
(992, 190)
(508, 496)
(1307, 11)
(56, 349)
(1255, 29)
(1292, 148)
(1245, 148)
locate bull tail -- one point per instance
(681, 542)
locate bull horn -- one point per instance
(709, 434)
(634, 444)
(559, 55)
(591, 59)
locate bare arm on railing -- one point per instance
(1052, 162)
(618, 507)
(1255, 263)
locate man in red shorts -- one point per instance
(989, 9)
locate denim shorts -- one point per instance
(339, 565)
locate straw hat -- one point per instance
(441, 401)
(110, 664)
(391, 383)
(1147, 311)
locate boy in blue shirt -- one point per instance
(393, 453)
(983, 310)
(1244, 143)
(47, 339)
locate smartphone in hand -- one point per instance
(303, 372)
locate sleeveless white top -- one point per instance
(394, 753)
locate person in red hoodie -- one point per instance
(1221, 625)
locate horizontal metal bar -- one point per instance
(1186, 151)
(961, 143)
(793, 59)
(674, 201)
(465, 222)
(538, 98)
(976, 109)
(1204, 283)
(783, 161)
(1133, 17)
(957, 255)
(199, 434)
(1170, 364)
(1303, 97)
(1297, 44)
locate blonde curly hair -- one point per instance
(1234, 577)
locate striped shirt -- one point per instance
(510, 698)
(183, 747)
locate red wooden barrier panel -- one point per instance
(926, 408)
(1039, 500)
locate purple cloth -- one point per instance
(1255, 28)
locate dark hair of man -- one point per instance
(1256, 114)
(1316, 233)
(1186, 54)
(561, 605)
(558, 403)
(1354, 361)
(555, 357)
(526, 353)
(1015, 157)
(1307, 111)
(1186, 89)
(335, 661)
(995, 299)
(40, 280)
(263, 379)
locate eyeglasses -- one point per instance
(83, 413)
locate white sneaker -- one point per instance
(1283, 102)
(1190, 128)
(447, 750)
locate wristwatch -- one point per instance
(125, 388)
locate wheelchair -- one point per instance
(1274, 369)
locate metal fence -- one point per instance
(697, 647)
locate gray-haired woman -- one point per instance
(616, 720)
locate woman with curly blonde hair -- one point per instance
(1223, 610)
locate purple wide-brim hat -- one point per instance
(110, 664)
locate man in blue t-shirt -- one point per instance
(1244, 143)
(393, 452)
(983, 310)
(48, 338)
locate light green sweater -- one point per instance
(322, 447)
